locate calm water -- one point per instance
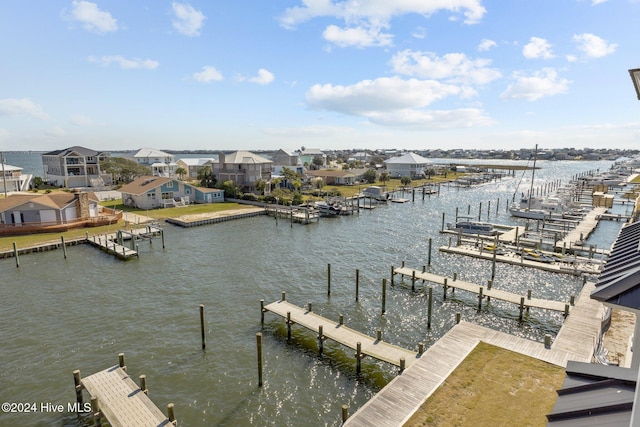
(58, 315)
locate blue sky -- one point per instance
(246, 74)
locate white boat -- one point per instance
(376, 193)
(467, 226)
(329, 209)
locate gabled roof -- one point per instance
(7, 168)
(144, 184)
(245, 157)
(144, 153)
(53, 200)
(75, 149)
(619, 281)
(408, 159)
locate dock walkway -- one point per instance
(584, 228)
(402, 397)
(346, 336)
(111, 247)
(449, 282)
(121, 401)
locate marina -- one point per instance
(149, 309)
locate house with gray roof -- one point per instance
(243, 168)
(161, 163)
(75, 167)
(410, 164)
(193, 166)
(150, 192)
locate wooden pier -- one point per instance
(116, 397)
(366, 345)
(577, 266)
(403, 396)
(524, 301)
(584, 228)
(110, 246)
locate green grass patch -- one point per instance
(493, 387)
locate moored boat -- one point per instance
(467, 226)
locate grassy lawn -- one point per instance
(493, 387)
(394, 183)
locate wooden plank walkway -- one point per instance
(398, 401)
(492, 293)
(348, 337)
(583, 229)
(109, 246)
(121, 401)
(588, 266)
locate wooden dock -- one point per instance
(116, 397)
(578, 265)
(398, 401)
(110, 246)
(583, 230)
(524, 301)
(348, 337)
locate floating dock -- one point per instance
(362, 343)
(110, 246)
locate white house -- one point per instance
(194, 165)
(410, 164)
(161, 163)
(11, 179)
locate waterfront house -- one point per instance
(75, 167)
(195, 165)
(32, 213)
(149, 192)
(307, 155)
(243, 168)
(282, 158)
(409, 164)
(161, 163)
(12, 179)
(337, 177)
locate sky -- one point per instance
(327, 74)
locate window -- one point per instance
(169, 184)
(167, 195)
(151, 196)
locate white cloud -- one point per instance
(454, 67)
(539, 84)
(537, 48)
(81, 120)
(486, 44)
(378, 11)
(124, 63)
(208, 74)
(21, 107)
(383, 94)
(92, 18)
(419, 33)
(436, 119)
(55, 132)
(357, 36)
(188, 21)
(264, 77)
(593, 46)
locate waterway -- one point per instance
(60, 314)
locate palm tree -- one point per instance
(180, 171)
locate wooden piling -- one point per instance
(384, 296)
(392, 274)
(444, 286)
(170, 414)
(458, 315)
(345, 413)
(429, 307)
(442, 226)
(15, 254)
(480, 297)
(521, 308)
(320, 339)
(204, 344)
(328, 279)
(357, 283)
(162, 236)
(413, 281)
(262, 310)
(64, 247)
(121, 362)
(78, 385)
(358, 357)
(402, 364)
(95, 410)
(143, 383)
(547, 341)
(288, 325)
(429, 257)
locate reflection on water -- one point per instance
(59, 315)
